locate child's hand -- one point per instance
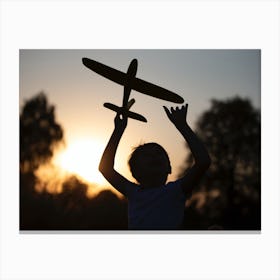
(120, 122)
(177, 116)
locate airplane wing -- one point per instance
(155, 91)
(105, 71)
(136, 84)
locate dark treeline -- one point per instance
(70, 209)
(230, 193)
(227, 198)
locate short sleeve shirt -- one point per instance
(160, 208)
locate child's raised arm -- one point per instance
(106, 165)
(201, 157)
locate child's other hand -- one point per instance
(178, 115)
(120, 122)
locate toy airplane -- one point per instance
(129, 81)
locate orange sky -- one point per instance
(79, 94)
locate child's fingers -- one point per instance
(184, 108)
(167, 111)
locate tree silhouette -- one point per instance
(230, 130)
(70, 209)
(39, 133)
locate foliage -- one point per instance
(230, 130)
(39, 133)
(228, 197)
(70, 209)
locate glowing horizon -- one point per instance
(81, 157)
(78, 95)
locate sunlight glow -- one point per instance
(81, 157)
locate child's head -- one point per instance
(149, 164)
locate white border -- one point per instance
(153, 24)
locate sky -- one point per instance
(212, 24)
(78, 94)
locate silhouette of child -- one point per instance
(153, 204)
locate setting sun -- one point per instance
(81, 157)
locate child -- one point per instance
(153, 204)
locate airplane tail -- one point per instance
(126, 111)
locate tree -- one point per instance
(230, 130)
(70, 209)
(39, 133)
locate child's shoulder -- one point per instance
(173, 183)
(130, 188)
(175, 187)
